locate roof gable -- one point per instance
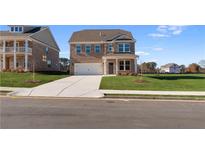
(100, 35)
(45, 36)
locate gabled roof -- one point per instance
(169, 65)
(38, 33)
(44, 35)
(98, 35)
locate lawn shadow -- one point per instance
(176, 77)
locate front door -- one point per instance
(111, 68)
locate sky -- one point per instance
(161, 44)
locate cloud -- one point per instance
(158, 49)
(167, 31)
(155, 35)
(142, 53)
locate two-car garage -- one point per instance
(88, 69)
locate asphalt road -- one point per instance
(100, 113)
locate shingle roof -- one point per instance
(39, 33)
(100, 35)
(169, 65)
(8, 33)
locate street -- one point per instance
(53, 113)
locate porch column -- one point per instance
(26, 55)
(105, 66)
(135, 63)
(4, 54)
(14, 54)
(116, 66)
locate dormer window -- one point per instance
(12, 29)
(16, 29)
(20, 29)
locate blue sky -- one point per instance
(162, 44)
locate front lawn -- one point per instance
(167, 82)
(12, 79)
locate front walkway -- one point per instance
(141, 92)
(74, 86)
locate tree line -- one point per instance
(151, 67)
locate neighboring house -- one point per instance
(170, 68)
(64, 64)
(28, 47)
(110, 51)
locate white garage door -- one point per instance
(88, 68)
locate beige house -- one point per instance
(110, 51)
(27, 48)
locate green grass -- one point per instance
(165, 82)
(12, 79)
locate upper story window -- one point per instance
(97, 48)
(110, 47)
(46, 50)
(20, 29)
(12, 29)
(16, 29)
(88, 49)
(127, 48)
(124, 47)
(121, 47)
(78, 49)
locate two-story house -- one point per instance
(28, 48)
(110, 51)
(170, 68)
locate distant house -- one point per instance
(28, 47)
(64, 64)
(170, 68)
(108, 51)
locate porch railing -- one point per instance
(18, 49)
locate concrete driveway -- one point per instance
(73, 86)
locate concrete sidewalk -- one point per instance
(140, 92)
(74, 86)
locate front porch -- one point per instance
(119, 64)
(19, 64)
(15, 54)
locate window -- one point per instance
(121, 65)
(49, 63)
(127, 47)
(44, 58)
(127, 65)
(78, 49)
(46, 50)
(16, 29)
(87, 49)
(109, 47)
(124, 47)
(97, 48)
(12, 29)
(20, 29)
(121, 47)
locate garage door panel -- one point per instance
(88, 68)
